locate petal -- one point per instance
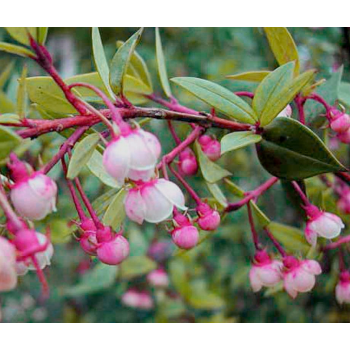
(43, 258)
(144, 175)
(254, 279)
(311, 266)
(268, 275)
(43, 186)
(134, 206)
(172, 192)
(288, 284)
(310, 235)
(303, 280)
(327, 225)
(342, 293)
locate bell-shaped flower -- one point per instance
(158, 278)
(8, 275)
(137, 299)
(342, 290)
(208, 218)
(153, 201)
(184, 235)
(114, 251)
(340, 122)
(132, 155)
(299, 275)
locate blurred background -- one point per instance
(209, 283)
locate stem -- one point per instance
(252, 227)
(300, 105)
(244, 94)
(337, 244)
(8, 211)
(41, 276)
(319, 99)
(301, 193)
(173, 133)
(275, 243)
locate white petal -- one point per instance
(289, 286)
(172, 192)
(304, 281)
(327, 225)
(312, 266)
(255, 281)
(134, 206)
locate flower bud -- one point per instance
(184, 235)
(34, 197)
(340, 122)
(8, 275)
(344, 137)
(158, 278)
(138, 300)
(208, 218)
(342, 290)
(188, 164)
(114, 251)
(210, 147)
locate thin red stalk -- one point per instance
(11, 216)
(319, 99)
(172, 105)
(301, 193)
(300, 105)
(251, 195)
(252, 227)
(338, 243)
(275, 242)
(41, 276)
(173, 133)
(245, 94)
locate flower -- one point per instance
(133, 155)
(8, 274)
(265, 272)
(137, 299)
(340, 122)
(321, 224)
(34, 196)
(115, 251)
(287, 112)
(153, 201)
(342, 290)
(344, 137)
(299, 275)
(158, 278)
(188, 164)
(208, 218)
(210, 147)
(88, 240)
(184, 235)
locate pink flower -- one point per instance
(210, 147)
(138, 300)
(34, 197)
(158, 278)
(208, 218)
(342, 290)
(115, 251)
(321, 224)
(344, 201)
(8, 274)
(340, 122)
(184, 235)
(132, 155)
(187, 162)
(344, 137)
(287, 112)
(299, 275)
(265, 272)
(153, 201)
(88, 240)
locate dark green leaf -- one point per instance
(236, 140)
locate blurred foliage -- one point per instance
(209, 283)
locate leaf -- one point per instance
(255, 76)
(115, 214)
(344, 94)
(204, 299)
(15, 49)
(6, 105)
(82, 152)
(5, 74)
(101, 204)
(120, 62)
(236, 140)
(217, 193)
(283, 46)
(260, 215)
(161, 65)
(136, 266)
(292, 239)
(100, 60)
(8, 141)
(9, 118)
(21, 34)
(291, 151)
(22, 94)
(42, 34)
(211, 171)
(134, 85)
(95, 165)
(218, 97)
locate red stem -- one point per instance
(275, 243)
(252, 227)
(301, 193)
(300, 105)
(338, 243)
(173, 133)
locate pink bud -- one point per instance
(114, 251)
(265, 272)
(8, 275)
(153, 201)
(34, 197)
(340, 122)
(158, 278)
(185, 237)
(342, 290)
(188, 163)
(138, 300)
(344, 137)
(299, 275)
(210, 147)
(208, 218)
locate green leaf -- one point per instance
(344, 94)
(217, 193)
(203, 299)
(9, 118)
(21, 34)
(6, 104)
(161, 65)
(120, 62)
(291, 151)
(254, 76)
(8, 141)
(15, 49)
(22, 94)
(210, 171)
(101, 203)
(5, 74)
(42, 34)
(259, 214)
(292, 239)
(82, 152)
(100, 60)
(236, 140)
(95, 165)
(283, 46)
(115, 214)
(136, 266)
(218, 97)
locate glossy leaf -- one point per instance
(161, 65)
(283, 46)
(218, 97)
(115, 214)
(254, 76)
(15, 49)
(120, 62)
(82, 152)
(291, 151)
(21, 34)
(100, 60)
(8, 141)
(210, 170)
(236, 140)
(136, 266)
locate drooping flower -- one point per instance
(340, 122)
(342, 290)
(208, 218)
(114, 251)
(265, 272)
(88, 240)
(344, 137)
(158, 278)
(210, 147)
(137, 299)
(321, 224)
(8, 274)
(153, 201)
(299, 275)
(184, 235)
(188, 164)
(133, 154)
